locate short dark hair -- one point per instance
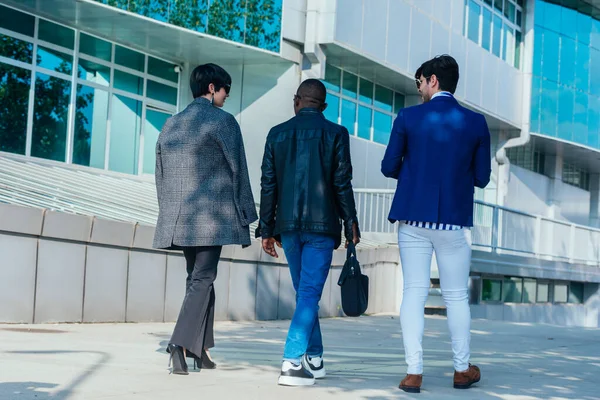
(312, 91)
(204, 75)
(445, 68)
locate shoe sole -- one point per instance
(467, 385)
(410, 389)
(293, 381)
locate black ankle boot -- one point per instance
(177, 359)
(201, 362)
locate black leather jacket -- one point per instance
(307, 178)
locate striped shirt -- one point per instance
(435, 225)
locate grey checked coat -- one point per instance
(202, 182)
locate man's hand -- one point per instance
(268, 246)
(355, 237)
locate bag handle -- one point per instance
(351, 251)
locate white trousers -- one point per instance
(453, 254)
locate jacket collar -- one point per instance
(310, 111)
(202, 100)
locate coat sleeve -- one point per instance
(342, 182)
(268, 193)
(482, 159)
(231, 142)
(394, 153)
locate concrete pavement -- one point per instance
(363, 359)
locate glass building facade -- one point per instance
(366, 109)
(253, 22)
(68, 96)
(496, 25)
(565, 99)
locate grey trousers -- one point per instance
(194, 327)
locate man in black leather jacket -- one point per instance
(306, 190)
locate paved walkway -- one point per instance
(363, 360)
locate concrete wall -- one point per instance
(57, 267)
(529, 191)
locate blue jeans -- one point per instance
(309, 257)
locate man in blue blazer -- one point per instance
(439, 152)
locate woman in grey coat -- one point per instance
(205, 201)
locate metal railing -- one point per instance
(498, 229)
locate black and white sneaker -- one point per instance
(295, 375)
(315, 365)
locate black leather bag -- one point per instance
(354, 285)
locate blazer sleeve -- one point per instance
(394, 153)
(268, 193)
(231, 142)
(483, 158)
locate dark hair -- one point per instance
(445, 68)
(204, 75)
(312, 91)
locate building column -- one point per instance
(553, 168)
(595, 200)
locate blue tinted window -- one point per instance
(332, 111)
(595, 34)
(593, 121)
(549, 108)
(582, 68)
(566, 100)
(536, 98)
(382, 127)
(364, 122)
(580, 118)
(595, 76)
(567, 61)
(486, 29)
(348, 115)
(568, 21)
(333, 78)
(473, 30)
(584, 27)
(538, 42)
(550, 57)
(350, 85)
(497, 35)
(552, 14)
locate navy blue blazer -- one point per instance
(438, 151)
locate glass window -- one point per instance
(128, 82)
(350, 85)
(473, 29)
(364, 122)
(126, 119)
(93, 72)
(512, 290)
(582, 68)
(576, 293)
(489, 2)
(95, 47)
(54, 60)
(56, 34)
(333, 78)
(383, 98)
(160, 92)
(382, 127)
(508, 45)
(509, 11)
(89, 139)
(560, 292)
(50, 117)
(366, 91)
(398, 102)
(548, 108)
(568, 22)
(593, 121)
(584, 28)
(348, 115)
(517, 63)
(154, 123)
(542, 293)
(129, 58)
(16, 49)
(486, 29)
(566, 101)
(595, 66)
(15, 83)
(497, 36)
(568, 61)
(332, 112)
(162, 70)
(492, 290)
(519, 18)
(529, 289)
(498, 5)
(16, 21)
(550, 58)
(580, 118)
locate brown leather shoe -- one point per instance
(463, 380)
(412, 383)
